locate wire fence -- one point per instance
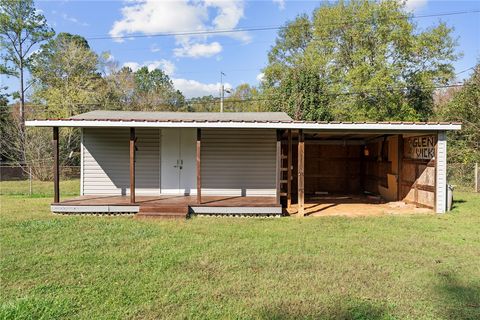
(22, 180)
(462, 176)
(25, 180)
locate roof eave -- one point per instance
(374, 126)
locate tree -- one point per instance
(155, 91)
(66, 82)
(464, 145)
(358, 60)
(66, 76)
(21, 28)
(119, 91)
(245, 98)
(203, 104)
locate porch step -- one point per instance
(163, 212)
(164, 208)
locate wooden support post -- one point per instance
(56, 167)
(301, 173)
(199, 176)
(278, 166)
(289, 169)
(400, 168)
(362, 168)
(132, 165)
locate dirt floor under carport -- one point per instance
(355, 206)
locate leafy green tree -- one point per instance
(464, 145)
(119, 93)
(358, 60)
(66, 76)
(155, 91)
(21, 28)
(245, 98)
(66, 82)
(203, 104)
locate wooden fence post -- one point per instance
(30, 180)
(477, 178)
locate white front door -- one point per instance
(178, 161)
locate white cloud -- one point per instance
(260, 77)
(155, 48)
(412, 5)
(280, 4)
(66, 17)
(197, 50)
(152, 17)
(194, 88)
(229, 15)
(167, 66)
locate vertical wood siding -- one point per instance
(106, 161)
(238, 162)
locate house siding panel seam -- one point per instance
(238, 162)
(441, 175)
(106, 161)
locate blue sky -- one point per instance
(194, 62)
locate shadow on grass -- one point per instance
(456, 203)
(460, 300)
(347, 308)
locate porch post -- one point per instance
(132, 165)
(400, 167)
(278, 166)
(199, 176)
(289, 169)
(301, 173)
(56, 167)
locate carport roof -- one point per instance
(249, 120)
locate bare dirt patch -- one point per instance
(355, 206)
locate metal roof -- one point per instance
(247, 120)
(182, 116)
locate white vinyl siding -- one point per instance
(238, 162)
(106, 169)
(441, 178)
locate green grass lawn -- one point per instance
(69, 188)
(88, 267)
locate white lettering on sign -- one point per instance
(422, 147)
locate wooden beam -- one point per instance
(289, 169)
(56, 167)
(132, 165)
(400, 167)
(301, 173)
(199, 176)
(278, 166)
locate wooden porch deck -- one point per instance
(174, 206)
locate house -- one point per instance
(173, 163)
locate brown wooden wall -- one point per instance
(376, 166)
(417, 184)
(332, 168)
(340, 169)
